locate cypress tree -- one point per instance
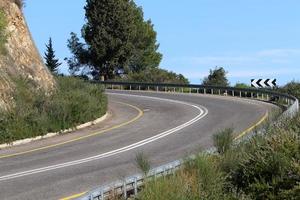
(51, 62)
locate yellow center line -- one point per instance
(253, 126)
(73, 196)
(238, 137)
(140, 114)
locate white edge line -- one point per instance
(203, 112)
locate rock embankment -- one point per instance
(22, 57)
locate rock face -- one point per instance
(22, 57)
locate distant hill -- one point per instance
(22, 57)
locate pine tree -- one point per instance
(108, 34)
(51, 62)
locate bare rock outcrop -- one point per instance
(22, 57)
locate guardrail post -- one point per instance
(124, 190)
(102, 194)
(135, 186)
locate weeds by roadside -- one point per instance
(267, 166)
(74, 102)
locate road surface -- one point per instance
(163, 126)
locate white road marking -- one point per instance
(202, 113)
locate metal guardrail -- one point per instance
(131, 185)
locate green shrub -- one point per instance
(200, 179)
(292, 88)
(268, 167)
(143, 163)
(223, 140)
(74, 102)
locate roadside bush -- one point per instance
(74, 102)
(269, 165)
(143, 163)
(292, 88)
(200, 179)
(223, 140)
(266, 166)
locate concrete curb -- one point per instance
(49, 135)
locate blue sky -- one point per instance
(249, 38)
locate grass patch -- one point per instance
(74, 102)
(223, 140)
(143, 163)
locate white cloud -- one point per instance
(279, 53)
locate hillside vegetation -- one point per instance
(74, 102)
(19, 56)
(264, 167)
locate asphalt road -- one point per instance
(163, 126)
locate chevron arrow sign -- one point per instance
(263, 83)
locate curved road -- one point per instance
(163, 126)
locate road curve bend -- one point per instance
(164, 126)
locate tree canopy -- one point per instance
(155, 75)
(216, 77)
(116, 39)
(145, 52)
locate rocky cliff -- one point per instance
(22, 57)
